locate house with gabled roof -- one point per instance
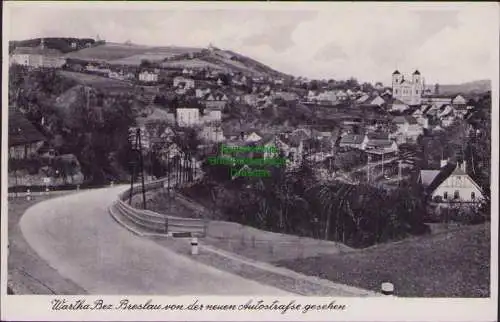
(186, 83)
(397, 105)
(408, 129)
(215, 100)
(24, 139)
(352, 141)
(450, 184)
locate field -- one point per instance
(455, 263)
(117, 52)
(97, 81)
(190, 63)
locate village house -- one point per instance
(292, 147)
(212, 133)
(450, 184)
(202, 92)
(379, 143)
(342, 96)
(211, 115)
(253, 136)
(24, 139)
(408, 129)
(396, 105)
(250, 99)
(188, 116)
(148, 76)
(354, 141)
(215, 100)
(37, 57)
(421, 118)
(187, 83)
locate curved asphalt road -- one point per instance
(76, 235)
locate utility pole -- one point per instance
(138, 149)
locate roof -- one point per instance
(378, 136)
(416, 72)
(352, 139)
(405, 119)
(396, 72)
(36, 51)
(378, 142)
(432, 179)
(21, 130)
(428, 176)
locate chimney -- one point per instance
(444, 162)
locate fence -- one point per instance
(155, 222)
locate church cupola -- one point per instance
(416, 77)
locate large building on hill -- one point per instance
(37, 57)
(409, 91)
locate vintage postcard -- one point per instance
(249, 161)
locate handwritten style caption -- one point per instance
(149, 305)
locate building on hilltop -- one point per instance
(37, 57)
(408, 91)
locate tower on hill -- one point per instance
(408, 90)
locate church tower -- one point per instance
(396, 78)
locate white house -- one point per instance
(212, 134)
(459, 101)
(148, 77)
(212, 116)
(253, 137)
(187, 83)
(451, 184)
(188, 116)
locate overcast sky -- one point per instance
(448, 43)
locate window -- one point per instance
(290, 156)
(416, 91)
(472, 195)
(395, 91)
(456, 194)
(445, 195)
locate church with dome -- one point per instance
(408, 90)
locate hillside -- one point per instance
(165, 56)
(64, 45)
(474, 87)
(429, 266)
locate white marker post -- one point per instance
(111, 183)
(28, 194)
(194, 246)
(388, 289)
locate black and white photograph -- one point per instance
(321, 152)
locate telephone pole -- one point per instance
(138, 149)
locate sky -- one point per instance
(448, 43)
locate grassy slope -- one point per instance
(451, 264)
